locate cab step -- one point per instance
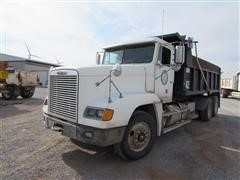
(175, 126)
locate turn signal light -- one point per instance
(107, 115)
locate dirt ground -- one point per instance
(199, 150)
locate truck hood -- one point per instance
(101, 70)
(97, 70)
(134, 79)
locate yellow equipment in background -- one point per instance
(3, 75)
(14, 84)
(3, 70)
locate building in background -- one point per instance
(24, 64)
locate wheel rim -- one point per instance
(139, 136)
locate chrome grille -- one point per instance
(63, 96)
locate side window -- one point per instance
(165, 55)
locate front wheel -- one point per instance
(139, 136)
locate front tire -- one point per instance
(139, 136)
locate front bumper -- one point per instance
(85, 134)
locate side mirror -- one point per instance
(179, 54)
(117, 70)
(98, 58)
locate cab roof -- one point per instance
(164, 39)
(136, 41)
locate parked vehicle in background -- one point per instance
(138, 91)
(14, 84)
(230, 85)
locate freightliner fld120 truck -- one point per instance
(138, 91)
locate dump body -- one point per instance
(23, 78)
(189, 81)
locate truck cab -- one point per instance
(128, 98)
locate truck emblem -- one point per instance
(62, 72)
(164, 77)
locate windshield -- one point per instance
(140, 53)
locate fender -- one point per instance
(124, 108)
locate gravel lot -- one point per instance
(199, 150)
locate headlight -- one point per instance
(99, 113)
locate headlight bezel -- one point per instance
(98, 113)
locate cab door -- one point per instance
(164, 74)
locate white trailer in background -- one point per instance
(230, 86)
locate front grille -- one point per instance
(63, 96)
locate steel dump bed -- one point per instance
(189, 79)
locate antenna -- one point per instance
(29, 52)
(163, 22)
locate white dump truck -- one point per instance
(139, 90)
(14, 84)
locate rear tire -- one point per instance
(8, 93)
(206, 113)
(27, 92)
(215, 103)
(225, 93)
(139, 136)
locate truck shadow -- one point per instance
(88, 151)
(104, 163)
(92, 162)
(194, 146)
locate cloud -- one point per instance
(50, 30)
(214, 25)
(75, 31)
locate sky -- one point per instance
(73, 31)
